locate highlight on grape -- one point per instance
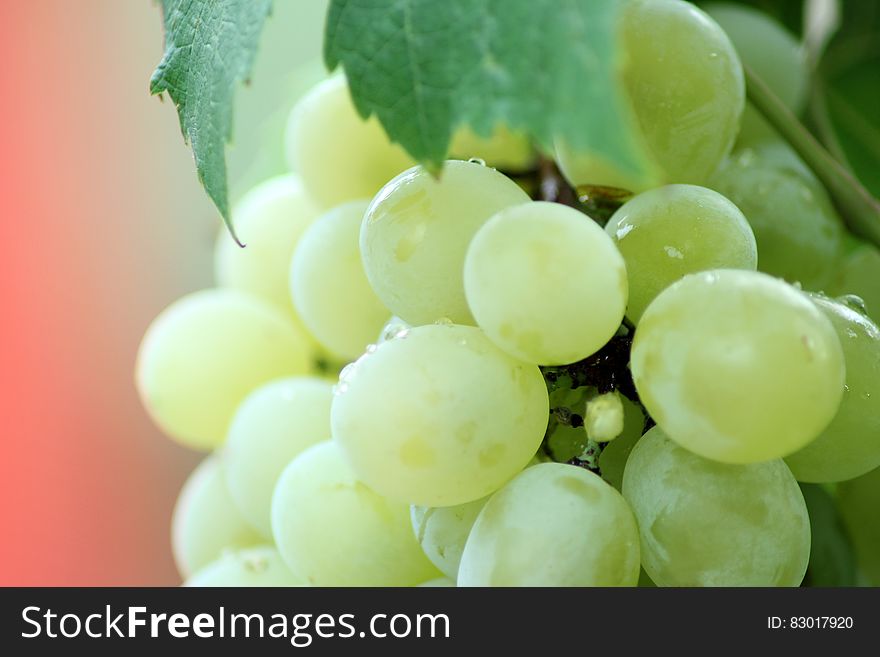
(527, 367)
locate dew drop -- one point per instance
(672, 252)
(853, 302)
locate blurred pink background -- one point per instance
(104, 224)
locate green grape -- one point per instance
(858, 500)
(417, 230)
(203, 354)
(604, 417)
(205, 520)
(704, 523)
(332, 530)
(772, 53)
(850, 445)
(545, 283)
(612, 460)
(338, 155)
(270, 220)
(684, 83)
(796, 228)
(442, 532)
(503, 149)
(439, 416)
(438, 582)
(671, 231)
(256, 567)
(858, 272)
(737, 366)
(553, 525)
(271, 427)
(329, 287)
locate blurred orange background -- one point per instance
(104, 224)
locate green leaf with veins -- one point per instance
(209, 48)
(547, 68)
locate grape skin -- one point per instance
(439, 416)
(329, 287)
(773, 54)
(553, 525)
(205, 521)
(416, 233)
(737, 366)
(850, 445)
(858, 272)
(545, 283)
(332, 530)
(338, 155)
(684, 83)
(273, 425)
(204, 353)
(704, 523)
(798, 233)
(668, 232)
(269, 219)
(252, 567)
(443, 531)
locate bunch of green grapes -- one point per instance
(408, 379)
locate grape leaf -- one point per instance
(545, 67)
(850, 75)
(209, 48)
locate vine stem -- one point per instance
(859, 209)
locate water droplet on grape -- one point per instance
(672, 252)
(345, 376)
(854, 302)
(477, 160)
